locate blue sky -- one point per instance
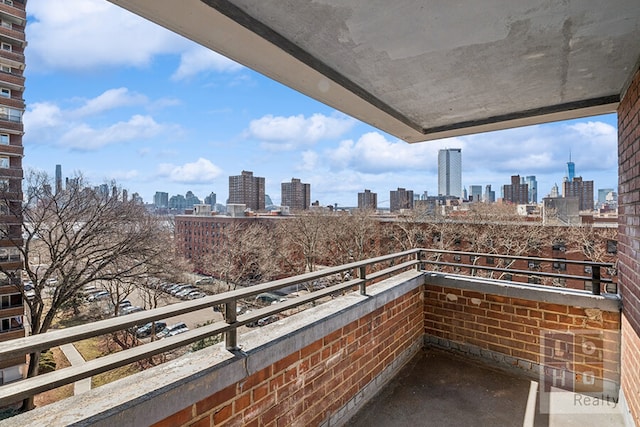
(116, 97)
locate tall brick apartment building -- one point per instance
(296, 195)
(12, 63)
(248, 190)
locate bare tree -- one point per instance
(246, 254)
(78, 236)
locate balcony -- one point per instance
(321, 365)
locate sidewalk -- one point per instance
(75, 358)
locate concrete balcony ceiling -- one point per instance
(423, 70)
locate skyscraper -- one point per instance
(533, 188)
(571, 169)
(247, 190)
(58, 178)
(516, 192)
(367, 200)
(296, 195)
(161, 200)
(476, 193)
(489, 194)
(400, 199)
(450, 172)
(13, 18)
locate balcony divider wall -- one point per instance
(629, 243)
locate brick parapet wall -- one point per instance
(508, 330)
(629, 241)
(320, 380)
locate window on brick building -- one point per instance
(534, 265)
(457, 258)
(534, 280)
(5, 139)
(490, 260)
(507, 276)
(588, 269)
(5, 68)
(559, 265)
(4, 162)
(5, 92)
(612, 246)
(6, 47)
(559, 246)
(6, 24)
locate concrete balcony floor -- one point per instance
(438, 388)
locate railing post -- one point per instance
(420, 264)
(363, 276)
(595, 279)
(231, 337)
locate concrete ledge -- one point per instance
(157, 393)
(564, 296)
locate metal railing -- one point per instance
(535, 267)
(369, 271)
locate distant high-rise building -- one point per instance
(554, 192)
(401, 199)
(583, 190)
(248, 190)
(602, 195)
(489, 195)
(13, 19)
(516, 192)
(58, 178)
(367, 200)
(211, 200)
(571, 169)
(296, 195)
(450, 172)
(191, 200)
(476, 193)
(267, 200)
(161, 200)
(533, 188)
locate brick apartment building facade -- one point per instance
(367, 200)
(583, 190)
(248, 190)
(12, 63)
(400, 199)
(516, 192)
(296, 195)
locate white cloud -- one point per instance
(109, 100)
(287, 133)
(199, 60)
(48, 123)
(86, 34)
(41, 117)
(200, 171)
(85, 137)
(373, 153)
(309, 161)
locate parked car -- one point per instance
(268, 319)
(195, 295)
(269, 298)
(98, 296)
(184, 291)
(129, 309)
(146, 330)
(124, 303)
(172, 330)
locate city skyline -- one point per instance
(133, 102)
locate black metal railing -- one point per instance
(368, 271)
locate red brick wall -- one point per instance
(512, 327)
(629, 239)
(308, 386)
